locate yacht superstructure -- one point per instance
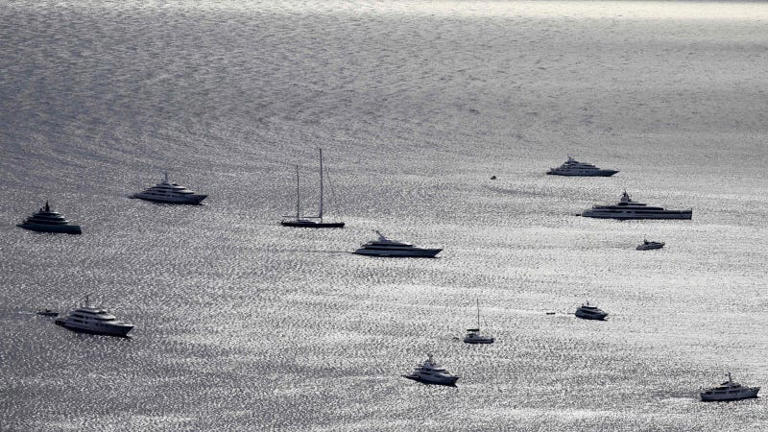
(89, 319)
(729, 391)
(574, 168)
(47, 220)
(170, 193)
(628, 209)
(430, 372)
(385, 247)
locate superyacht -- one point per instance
(729, 391)
(89, 319)
(384, 247)
(574, 168)
(628, 209)
(170, 193)
(47, 220)
(430, 372)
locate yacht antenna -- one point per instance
(320, 215)
(298, 196)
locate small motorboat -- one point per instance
(587, 311)
(648, 245)
(47, 312)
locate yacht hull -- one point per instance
(589, 316)
(191, 199)
(419, 253)
(484, 341)
(650, 247)
(448, 382)
(310, 224)
(66, 229)
(598, 173)
(119, 331)
(725, 397)
(626, 215)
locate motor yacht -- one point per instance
(473, 335)
(587, 311)
(300, 221)
(170, 193)
(574, 168)
(729, 391)
(628, 209)
(385, 247)
(47, 220)
(90, 319)
(649, 245)
(430, 372)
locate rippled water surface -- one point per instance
(243, 325)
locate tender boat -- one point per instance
(729, 391)
(574, 168)
(430, 372)
(648, 245)
(170, 193)
(47, 312)
(300, 221)
(384, 247)
(89, 319)
(628, 209)
(587, 311)
(473, 335)
(47, 220)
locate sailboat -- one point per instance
(300, 221)
(473, 335)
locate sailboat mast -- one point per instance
(320, 215)
(298, 196)
(478, 313)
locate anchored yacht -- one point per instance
(729, 391)
(649, 245)
(89, 319)
(300, 221)
(170, 193)
(587, 311)
(47, 220)
(473, 335)
(574, 168)
(430, 372)
(385, 247)
(628, 209)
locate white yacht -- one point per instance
(574, 168)
(587, 311)
(729, 391)
(473, 335)
(385, 247)
(47, 220)
(170, 193)
(430, 372)
(90, 319)
(649, 245)
(628, 209)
